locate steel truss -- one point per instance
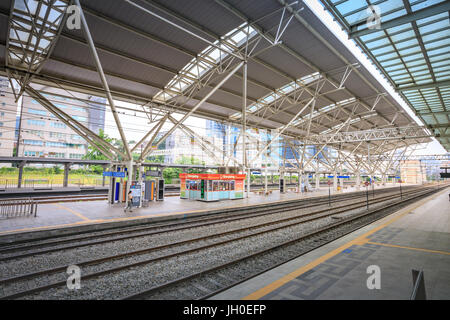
(397, 133)
(205, 72)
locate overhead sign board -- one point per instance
(119, 174)
(344, 177)
(114, 174)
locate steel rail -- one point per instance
(168, 284)
(344, 208)
(96, 274)
(223, 218)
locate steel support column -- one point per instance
(20, 178)
(129, 181)
(266, 180)
(358, 180)
(317, 177)
(334, 181)
(244, 127)
(66, 175)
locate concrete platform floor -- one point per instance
(71, 214)
(416, 237)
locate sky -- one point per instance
(137, 124)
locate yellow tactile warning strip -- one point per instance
(357, 241)
(79, 215)
(409, 248)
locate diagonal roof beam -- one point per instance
(99, 67)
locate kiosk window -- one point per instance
(215, 185)
(232, 185)
(209, 185)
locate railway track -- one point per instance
(200, 283)
(221, 239)
(95, 238)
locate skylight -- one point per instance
(30, 18)
(205, 62)
(324, 110)
(352, 121)
(279, 93)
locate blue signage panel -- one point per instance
(119, 174)
(329, 177)
(344, 177)
(114, 174)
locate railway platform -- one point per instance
(415, 237)
(57, 218)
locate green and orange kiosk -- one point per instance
(211, 187)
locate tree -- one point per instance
(188, 160)
(94, 152)
(171, 173)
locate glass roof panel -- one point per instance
(440, 63)
(402, 27)
(444, 54)
(373, 35)
(434, 26)
(393, 15)
(435, 35)
(412, 42)
(432, 18)
(425, 4)
(378, 43)
(413, 50)
(413, 57)
(383, 50)
(387, 57)
(404, 35)
(350, 6)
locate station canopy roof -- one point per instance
(411, 46)
(148, 60)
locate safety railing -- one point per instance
(18, 208)
(418, 286)
(36, 183)
(6, 184)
